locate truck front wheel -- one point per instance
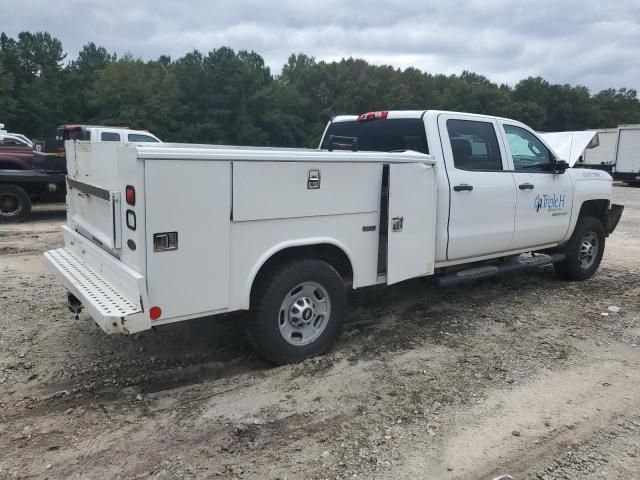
(15, 203)
(583, 251)
(297, 311)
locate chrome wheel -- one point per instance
(9, 205)
(304, 313)
(588, 250)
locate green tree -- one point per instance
(136, 94)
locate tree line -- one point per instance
(230, 97)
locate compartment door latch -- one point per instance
(313, 180)
(396, 224)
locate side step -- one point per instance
(520, 263)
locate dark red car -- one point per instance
(15, 154)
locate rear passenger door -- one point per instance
(481, 189)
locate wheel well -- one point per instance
(595, 208)
(331, 254)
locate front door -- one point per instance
(481, 189)
(544, 198)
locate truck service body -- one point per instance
(159, 233)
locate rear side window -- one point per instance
(137, 137)
(110, 137)
(474, 145)
(72, 133)
(383, 135)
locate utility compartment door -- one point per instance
(189, 200)
(412, 219)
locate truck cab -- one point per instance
(501, 188)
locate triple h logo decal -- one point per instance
(549, 203)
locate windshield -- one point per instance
(386, 135)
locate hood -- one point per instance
(569, 146)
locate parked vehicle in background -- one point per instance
(101, 133)
(27, 176)
(282, 231)
(617, 151)
(20, 188)
(602, 157)
(23, 138)
(627, 164)
(15, 153)
(30, 175)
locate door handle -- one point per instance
(463, 187)
(525, 186)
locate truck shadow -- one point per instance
(378, 320)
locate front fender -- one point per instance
(588, 184)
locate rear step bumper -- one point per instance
(520, 263)
(108, 290)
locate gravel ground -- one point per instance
(524, 375)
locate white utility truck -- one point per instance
(160, 233)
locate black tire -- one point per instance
(15, 204)
(270, 316)
(575, 265)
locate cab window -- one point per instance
(110, 137)
(528, 152)
(474, 145)
(137, 138)
(388, 135)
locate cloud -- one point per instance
(566, 41)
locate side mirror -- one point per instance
(560, 166)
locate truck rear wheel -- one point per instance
(583, 251)
(15, 203)
(297, 310)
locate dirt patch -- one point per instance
(523, 374)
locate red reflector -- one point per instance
(365, 117)
(131, 195)
(154, 313)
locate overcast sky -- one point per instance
(593, 43)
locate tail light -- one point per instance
(366, 117)
(155, 313)
(130, 194)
